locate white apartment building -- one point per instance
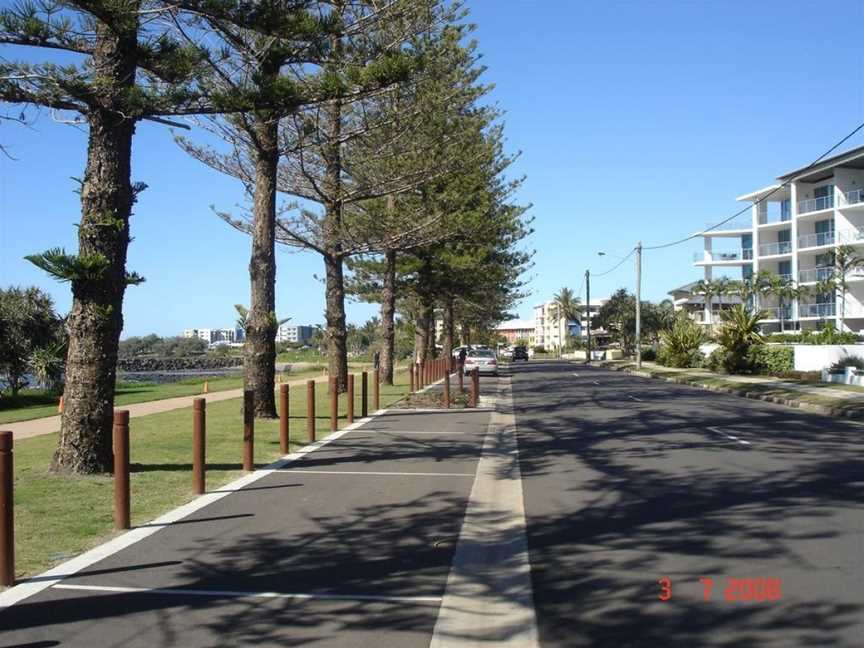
(793, 230)
(549, 329)
(216, 335)
(294, 333)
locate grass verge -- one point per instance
(58, 516)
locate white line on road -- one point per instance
(370, 472)
(638, 400)
(236, 594)
(595, 382)
(729, 436)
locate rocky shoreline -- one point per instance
(195, 363)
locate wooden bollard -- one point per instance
(205, 386)
(7, 514)
(199, 427)
(376, 390)
(334, 404)
(310, 410)
(418, 368)
(472, 392)
(350, 404)
(122, 518)
(248, 430)
(475, 381)
(447, 390)
(411, 377)
(364, 394)
(460, 369)
(284, 440)
(60, 406)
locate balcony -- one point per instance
(850, 236)
(813, 275)
(853, 197)
(815, 204)
(773, 249)
(778, 313)
(736, 225)
(720, 257)
(816, 240)
(817, 310)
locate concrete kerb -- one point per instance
(46, 579)
(824, 410)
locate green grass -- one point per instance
(36, 403)
(57, 517)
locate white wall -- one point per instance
(815, 357)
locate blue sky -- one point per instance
(635, 120)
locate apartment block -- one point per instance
(794, 229)
(216, 335)
(294, 333)
(517, 330)
(549, 328)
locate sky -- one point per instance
(635, 121)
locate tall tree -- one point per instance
(105, 63)
(846, 260)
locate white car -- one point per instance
(483, 360)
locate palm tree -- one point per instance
(739, 332)
(709, 290)
(845, 261)
(784, 290)
(567, 308)
(827, 288)
(751, 287)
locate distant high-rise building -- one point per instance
(294, 333)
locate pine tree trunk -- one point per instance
(429, 318)
(388, 315)
(96, 318)
(421, 336)
(449, 325)
(259, 349)
(337, 333)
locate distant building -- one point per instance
(694, 305)
(214, 336)
(517, 330)
(295, 333)
(549, 329)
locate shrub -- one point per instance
(848, 361)
(540, 349)
(649, 354)
(716, 361)
(680, 344)
(740, 332)
(827, 335)
(771, 360)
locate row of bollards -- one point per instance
(421, 374)
(120, 439)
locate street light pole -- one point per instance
(639, 305)
(588, 309)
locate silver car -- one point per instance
(483, 360)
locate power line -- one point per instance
(763, 198)
(614, 268)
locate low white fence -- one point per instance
(816, 357)
(849, 376)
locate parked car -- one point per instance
(483, 360)
(519, 353)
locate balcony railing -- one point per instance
(771, 249)
(853, 197)
(778, 312)
(716, 257)
(850, 236)
(812, 275)
(817, 310)
(734, 225)
(815, 240)
(815, 204)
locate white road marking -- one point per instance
(370, 472)
(728, 436)
(595, 382)
(238, 594)
(54, 575)
(638, 400)
(488, 600)
(439, 432)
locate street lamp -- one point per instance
(638, 302)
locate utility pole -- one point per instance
(588, 309)
(639, 305)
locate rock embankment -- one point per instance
(201, 363)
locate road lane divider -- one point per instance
(728, 436)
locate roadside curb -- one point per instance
(825, 410)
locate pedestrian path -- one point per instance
(350, 542)
(51, 424)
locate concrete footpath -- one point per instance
(51, 424)
(405, 529)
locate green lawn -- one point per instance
(57, 517)
(36, 403)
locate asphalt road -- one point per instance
(628, 480)
(349, 546)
